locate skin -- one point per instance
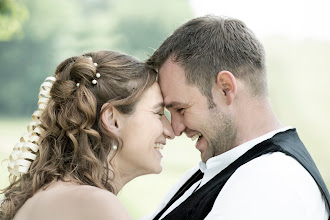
(226, 125)
(138, 156)
(67, 200)
(140, 133)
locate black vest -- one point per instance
(200, 203)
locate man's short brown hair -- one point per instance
(205, 46)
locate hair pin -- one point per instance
(25, 152)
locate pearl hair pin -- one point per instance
(98, 75)
(94, 81)
(95, 64)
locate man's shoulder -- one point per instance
(274, 170)
(269, 181)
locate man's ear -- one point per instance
(226, 82)
(110, 118)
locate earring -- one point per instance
(114, 147)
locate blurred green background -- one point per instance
(36, 35)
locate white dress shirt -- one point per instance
(272, 186)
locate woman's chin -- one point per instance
(155, 170)
(159, 170)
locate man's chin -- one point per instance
(206, 155)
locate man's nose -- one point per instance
(177, 124)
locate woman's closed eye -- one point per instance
(160, 113)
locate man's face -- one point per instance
(190, 113)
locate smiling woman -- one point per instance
(144, 134)
(99, 124)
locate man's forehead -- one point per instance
(171, 71)
(169, 85)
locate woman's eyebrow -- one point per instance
(158, 105)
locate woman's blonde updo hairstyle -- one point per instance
(75, 143)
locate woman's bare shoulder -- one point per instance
(71, 201)
(97, 203)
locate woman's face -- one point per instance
(143, 133)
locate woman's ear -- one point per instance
(110, 118)
(226, 82)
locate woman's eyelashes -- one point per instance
(160, 112)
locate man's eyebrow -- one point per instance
(173, 104)
(160, 104)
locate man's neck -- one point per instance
(254, 120)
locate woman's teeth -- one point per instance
(196, 136)
(159, 146)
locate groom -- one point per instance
(213, 78)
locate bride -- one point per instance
(100, 123)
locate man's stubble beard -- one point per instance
(223, 135)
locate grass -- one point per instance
(142, 195)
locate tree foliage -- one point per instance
(12, 16)
(58, 29)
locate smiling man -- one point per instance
(213, 79)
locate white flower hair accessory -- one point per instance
(25, 151)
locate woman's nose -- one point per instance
(168, 131)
